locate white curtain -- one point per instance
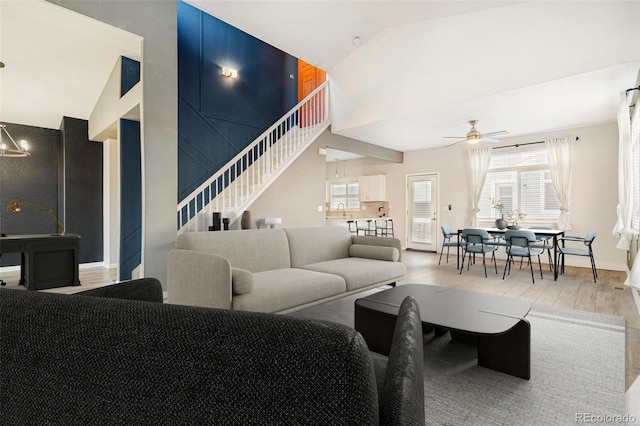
(479, 160)
(623, 229)
(560, 156)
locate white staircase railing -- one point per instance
(234, 187)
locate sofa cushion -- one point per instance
(89, 360)
(312, 245)
(359, 272)
(254, 249)
(241, 281)
(144, 289)
(390, 254)
(275, 291)
(402, 398)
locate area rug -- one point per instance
(577, 372)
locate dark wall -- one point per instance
(34, 179)
(130, 75)
(81, 174)
(64, 172)
(130, 198)
(218, 116)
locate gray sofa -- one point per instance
(278, 270)
(108, 356)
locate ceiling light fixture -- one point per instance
(19, 150)
(356, 41)
(473, 136)
(229, 72)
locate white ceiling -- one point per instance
(423, 69)
(56, 61)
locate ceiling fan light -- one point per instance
(473, 140)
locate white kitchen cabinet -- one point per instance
(372, 188)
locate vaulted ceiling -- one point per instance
(422, 69)
(56, 61)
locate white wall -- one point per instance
(156, 22)
(296, 195)
(111, 202)
(594, 193)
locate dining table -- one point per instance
(541, 234)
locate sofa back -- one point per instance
(311, 245)
(73, 360)
(255, 250)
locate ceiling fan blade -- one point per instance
(455, 143)
(454, 137)
(499, 132)
(483, 139)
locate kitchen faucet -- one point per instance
(344, 213)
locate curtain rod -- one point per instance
(518, 145)
(631, 90)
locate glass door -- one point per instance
(421, 211)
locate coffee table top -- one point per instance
(453, 308)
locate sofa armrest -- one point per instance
(378, 241)
(402, 398)
(143, 289)
(198, 279)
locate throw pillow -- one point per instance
(390, 254)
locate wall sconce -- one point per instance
(229, 72)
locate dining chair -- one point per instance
(543, 243)
(572, 251)
(477, 241)
(520, 244)
(447, 234)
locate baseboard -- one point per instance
(93, 265)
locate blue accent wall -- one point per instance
(130, 74)
(130, 198)
(219, 116)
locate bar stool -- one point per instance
(385, 228)
(351, 224)
(368, 228)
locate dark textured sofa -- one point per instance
(108, 356)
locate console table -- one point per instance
(47, 261)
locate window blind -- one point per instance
(520, 180)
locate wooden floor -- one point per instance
(574, 290)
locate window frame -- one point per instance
(490, 214)
(354, 206)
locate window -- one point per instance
(345, 193)
(520, 180)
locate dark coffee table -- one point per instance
(495, 324)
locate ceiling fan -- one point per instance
(474, 136)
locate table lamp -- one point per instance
(17, 204)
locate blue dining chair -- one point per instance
(447, 234)
(543, 243)
(572, 251)
(478, 241)
(520, 244)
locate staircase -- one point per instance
(233, 188)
